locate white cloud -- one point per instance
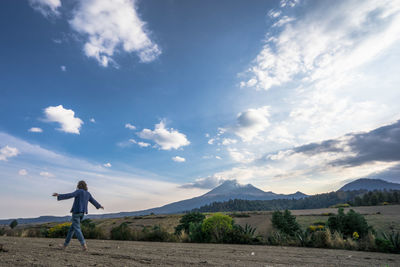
(274, 13)
(107, 165)
(252, 122)
(46, 7)
(46, 174)
(130, 126)
(178, 159)
(63, 68)
(92, 120)
(35, 130)
(241, 156)
(211, 141)
(66, 117)
(316, 48)
(111, 26)
(205, 183)
(23, 172)
(143, 144)
(228, 141)
(167, 139)
(218, 157)
(289, 3)
(8, 152)
(284, 20)
(327, 66)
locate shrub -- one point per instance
(195, 233)
(13, 224)
(60, 230)
(157, 234)
(321, 239)
(217, 227)
(186, 220)
(277, 238)
(367, 243)
(337, 240)
(285, 222)
(242, 235)
(350, 244)
(383, 245)
(349, 223)
(90, 230)
(121, 232)
(389, 242)
(2, 231)
(313, 228)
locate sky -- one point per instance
(153, 101)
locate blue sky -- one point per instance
(157, 101)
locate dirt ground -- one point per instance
(44, 252)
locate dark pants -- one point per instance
(75, 229)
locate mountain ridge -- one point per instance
(370, 185)
(230, 189)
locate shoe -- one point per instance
(84, 247)
(62, 246)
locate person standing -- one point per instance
(79, 209)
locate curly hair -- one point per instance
(82, 185)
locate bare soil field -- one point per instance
(44, 252)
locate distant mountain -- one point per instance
(230, 189)
(370, 185)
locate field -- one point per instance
(44, 252)
(382, 218)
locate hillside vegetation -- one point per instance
(349, 198)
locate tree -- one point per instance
(285, 222)
(349, 223)
(186, 220)
(13, 224)
(217, 227)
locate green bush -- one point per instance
(389, 242)
(121, 232)
(285, 222)
(90, 231)
(186, 220)
(217, 227)
(349, 223)
(157, 234)
(13, 224)
(195, 233)
(383, 245)
(2, 231)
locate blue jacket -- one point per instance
(82, 197)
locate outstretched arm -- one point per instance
(64, 196)
(95, 203)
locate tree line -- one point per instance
(353, 198)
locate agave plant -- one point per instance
(394, 239)
(249, 230)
